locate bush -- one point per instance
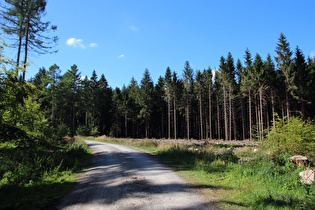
(291, 137)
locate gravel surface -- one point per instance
(124, 178)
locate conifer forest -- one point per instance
(240, 100)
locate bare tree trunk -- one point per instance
(175, 124)
(126, 125)
(234, 122)
(243, 117)
(250, 114)
(200, 108)
(146, 128)
(261, 112)
(230, 115)
(210, 112)
(273, 108)
(218, 117)
(169, 116)
(26, 50)
(225, 114)
(187, 119)
(288, 103)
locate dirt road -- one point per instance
(123, 178)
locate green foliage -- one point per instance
(44, 175)
(291, 137)
(87, 130)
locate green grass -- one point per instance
(230, 180)
(36, 179)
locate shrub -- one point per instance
(291, 137)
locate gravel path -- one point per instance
(123, 178)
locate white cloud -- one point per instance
(73, 42)
(121, 56)
(133, 28)
(93, 45)
(312, 54)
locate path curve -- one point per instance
(124, 178)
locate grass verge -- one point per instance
(233, 177)
(37, 179)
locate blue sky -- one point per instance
(121, 38)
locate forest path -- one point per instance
(124, 178)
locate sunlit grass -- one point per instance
(232, 177)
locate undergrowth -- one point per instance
(34, 178)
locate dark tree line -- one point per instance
(239, 102)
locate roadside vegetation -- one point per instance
(37, 164)
(37, 178)
(241, 174)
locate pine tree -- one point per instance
(302, 81)
(259, 80)
(247, 86)
(168, 94)
(284, 67)
(200, 81)
(68, 95)
(189, 86)
(271, 76)
(176, 90)
(145, 100)
(208, 75)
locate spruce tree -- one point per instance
(285, 68)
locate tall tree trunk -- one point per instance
(26, 48)
(200, 112)
(175, 124)
(169, 116)
(187, 120)
(210, 112)
(146, 127)
(261, 112)
(250, 114)
(73, 116)
(230, 114)
(234, 122)
(288, 103)
(273, 108)
(243, 117)
(126, 125)
(225, 114)
(218, 118)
